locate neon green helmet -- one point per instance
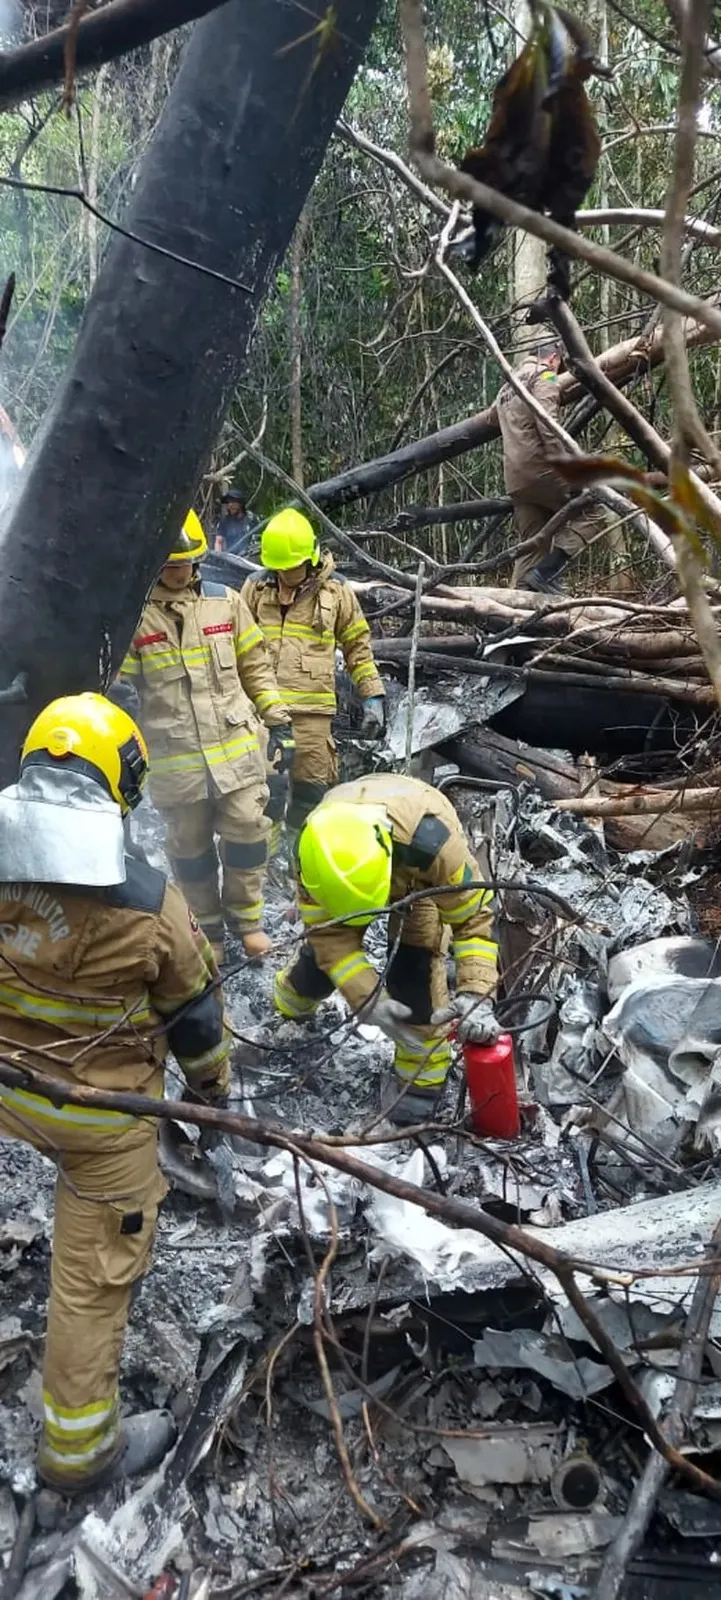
(287, 540)
(345, 859)
(191, 543)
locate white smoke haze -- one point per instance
(11, 22)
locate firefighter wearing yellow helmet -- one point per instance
(367, 845)
(203, 675)
(102, 967)
(306, 610)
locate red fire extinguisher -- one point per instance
(491, 1080)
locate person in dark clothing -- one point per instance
(235, 524)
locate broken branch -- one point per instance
(447, 1207)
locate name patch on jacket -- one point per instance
(219, 627)
(150, 638)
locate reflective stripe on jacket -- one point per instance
(110, 978)
(430, 851)
(200, 666)
(303, 636)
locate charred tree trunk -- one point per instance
(162, 345)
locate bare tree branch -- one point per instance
(688, 427)
(116, 28)
(461, 187)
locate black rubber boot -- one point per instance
(146, 1439)
(543, 578)
(414, 1106)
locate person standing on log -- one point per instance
(103, 968)
(536, 490)
(306, 610)
(201, 670)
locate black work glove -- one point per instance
(282, 743)
(278, 786)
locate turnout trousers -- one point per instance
(532, 511)
(108, 1190)
(315, 766)
(416, 975)
(239, 820)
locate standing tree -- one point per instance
(163, 342)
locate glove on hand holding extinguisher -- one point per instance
(475, 1017)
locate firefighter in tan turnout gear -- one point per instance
(305, 610)
(536, 490)
(367, 844)
(103, 965)
(202, 672)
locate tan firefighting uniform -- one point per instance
(535, 490)
(127, 967)
(302, 637)
(430, 850)
(200, 666)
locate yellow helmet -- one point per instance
(345, 860)
(287, 540)
(91, 732)
(191, 543)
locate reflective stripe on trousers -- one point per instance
(427, 1065)
(105, 1216)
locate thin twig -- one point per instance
(412, 663)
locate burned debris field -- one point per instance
(463, 1433)
(360, 800)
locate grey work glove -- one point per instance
(474, 1015)
(374, 717)
(389, 1015)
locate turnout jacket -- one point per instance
(526, 443)
(302, 637)
(200, 667)
(127, 967)
(430, 851)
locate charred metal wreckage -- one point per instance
(372, 1400)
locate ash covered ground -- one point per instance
(467, 1395)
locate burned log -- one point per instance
(493, 756)
(620, 363)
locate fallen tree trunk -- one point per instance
(620, 364)
(645, 802)
(162, 346)
(501, 760)
(684, 690)
(118, 27)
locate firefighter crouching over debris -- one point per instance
(103, 966)
(200, 667)
(305, 609)
(367, 844)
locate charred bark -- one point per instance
(120, 26)
(162, 345)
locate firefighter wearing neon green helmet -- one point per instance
(102, 972)
(366, 846)
(306, 611)
(203, 677)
